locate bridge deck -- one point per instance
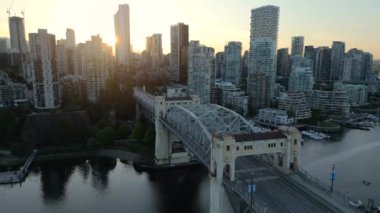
(278, 192)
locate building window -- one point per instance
(237, 148)
(295, 141)
(228, 148)
(282, 144)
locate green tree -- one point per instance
(123, 131)
(149, 136)
(103, 123)
(138, 132)
(106, 136)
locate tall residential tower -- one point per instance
(201, 67)
(179, 41)
(122, 32)
(262, 55)
(44, 66)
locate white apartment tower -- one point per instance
(200, 68)
(179, 41)
(262, 54)
(45, 76)
(122, 33)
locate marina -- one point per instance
(18, 176)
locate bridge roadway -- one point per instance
(279, 193)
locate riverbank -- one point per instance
(110, 153)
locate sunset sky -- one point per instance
(213, 22)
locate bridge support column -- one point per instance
(162, 146)
(222, 154)
(217, 195)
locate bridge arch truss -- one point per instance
(195, 125)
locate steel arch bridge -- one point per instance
(196, 125)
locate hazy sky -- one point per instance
(213, 22)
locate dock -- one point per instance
(19, 175)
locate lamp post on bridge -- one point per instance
(332, 178)
(251, 190)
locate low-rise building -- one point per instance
(357, 93)
(11, 93)
(275, 116)
(332, 103)
(295, 102)
(228, 95)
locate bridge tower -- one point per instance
(222, 166)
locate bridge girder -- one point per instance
(195, 125)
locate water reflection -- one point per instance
(100, 170)
(183, 183)
(54, 177)
(105, 185)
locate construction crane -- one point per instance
(9, 8)
(23, 9)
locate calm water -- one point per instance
(108, 185)
(356, 155)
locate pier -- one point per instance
(19, 175)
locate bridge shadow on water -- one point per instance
(179, 190)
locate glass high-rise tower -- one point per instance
(262, 55)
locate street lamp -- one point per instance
(332, 178)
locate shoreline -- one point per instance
(111, 153)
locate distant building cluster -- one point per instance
(273, 82)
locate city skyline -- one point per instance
(341, 21)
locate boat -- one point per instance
(314, 135)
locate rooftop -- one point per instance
(258, 136)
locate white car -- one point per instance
(356, 204)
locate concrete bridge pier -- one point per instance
(222, 166)
(164, 147)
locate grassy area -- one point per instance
(138, 148)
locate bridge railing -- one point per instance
(240, 188)
(337, 195)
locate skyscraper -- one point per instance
(219, 63)
(65, 54)
(200, 67)
(297, 45)
(179, 41)
(283, 62)
(337, 60)
(45, 75)
(322, 71)
(93, 63)
(232, 69)
(17, 35)
(70, 38)
(122, 32)
(357, 65)
(262, 53)
(301, 79)
(154, 50)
